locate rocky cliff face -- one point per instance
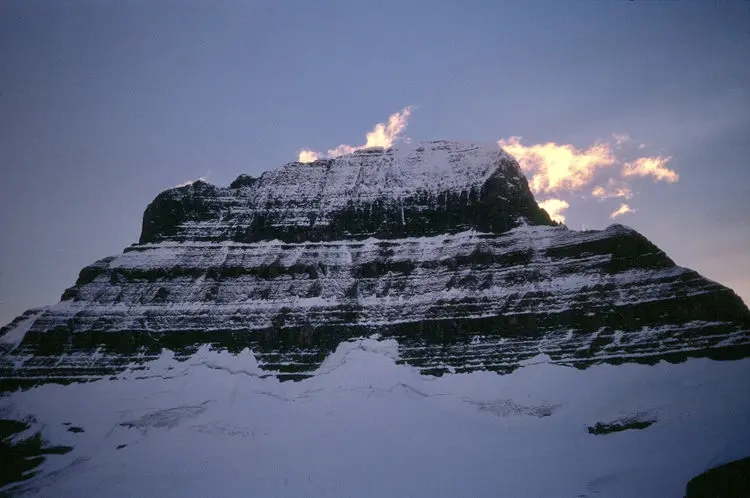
(430, 189)
(439, 245)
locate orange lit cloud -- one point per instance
(555, 167)
(612, 189)
(564, 168)
(623, 209)
(308, 156)
(651, 166)
(383, 135)
(554, 208)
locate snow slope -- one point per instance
(363, 426)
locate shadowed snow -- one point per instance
(367, 426)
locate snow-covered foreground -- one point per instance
(364, 426)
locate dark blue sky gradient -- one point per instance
(105, 104)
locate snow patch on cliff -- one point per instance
(13, 337)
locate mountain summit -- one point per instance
(426, 189)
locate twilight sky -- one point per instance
(105, 104)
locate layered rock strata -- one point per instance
(439, 245)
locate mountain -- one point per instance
(422, 271)
(439, 245)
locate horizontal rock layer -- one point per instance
(454, 302)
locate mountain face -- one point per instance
(393, 285)
(440, 246)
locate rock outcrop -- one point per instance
(439, 245)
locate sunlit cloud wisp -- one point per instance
(651, 166)
(564, 169)
(612, 190)
(383, 135)
(203, 178)
(623, 209)
(555, 167)
(554, 208)
(308, 156)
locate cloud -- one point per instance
(563, 168)
(342, 149)
(555, 167)
(651, 166)
(383, 135)
(612, 189)
(623, 209)
(190, 182)
(203, 178)
(308, 156)
(554, 208)
(621, 138)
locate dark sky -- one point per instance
(105, 104)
